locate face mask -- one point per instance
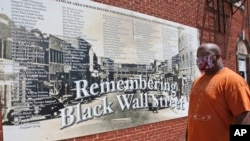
(205, 62)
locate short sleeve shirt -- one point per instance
(215, 100)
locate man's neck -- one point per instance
(214, 70)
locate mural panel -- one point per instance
(70, 68)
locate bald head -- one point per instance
(210, 47)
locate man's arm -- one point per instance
(243, 118)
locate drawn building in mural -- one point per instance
(5, 87)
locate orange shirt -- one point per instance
(215, 100)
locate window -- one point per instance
(56, 56)
(1, 49)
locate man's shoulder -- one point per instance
(228, 72)
(232, 77)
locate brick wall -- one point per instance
(173, 130)
(195, 13)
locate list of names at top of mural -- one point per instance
(145, 35)
(114, 32)
(170, 38)
(73, 22)
(187, 39)
(27, 12)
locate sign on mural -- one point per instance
(70, 68)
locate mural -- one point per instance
(70, 68)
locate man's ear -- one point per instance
(217, 56)
(214, 59)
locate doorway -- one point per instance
(242, 55)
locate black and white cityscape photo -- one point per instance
(80, 68)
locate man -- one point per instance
(219, 97)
